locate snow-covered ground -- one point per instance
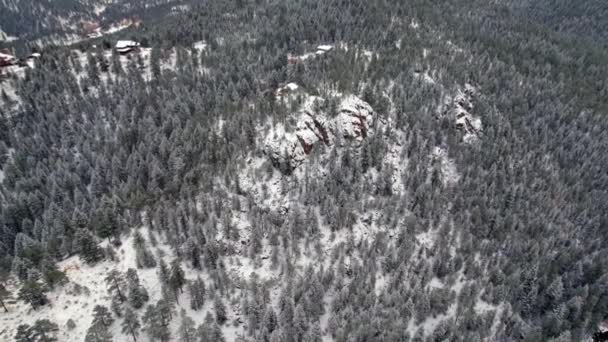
(449, 172)
(87, 288)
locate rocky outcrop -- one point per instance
(288, 150)
(461, 112)
(355, 118)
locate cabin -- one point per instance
(34, 55)
(7, 59)
(30, 61)
(321, 49)
(124, 47)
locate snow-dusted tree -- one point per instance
(193, 253)
(314, 334)
(98, 332)
(106, 222)
(117, 68)
(116, 306)
(270, 320)
(4, 293)
(216, 333)
(187, 328)
(143, 257)
(130, 325)
(300, 322)
(177, 279)
(197, 293)
(43, 330)
(92, 69)
(220, 310)
(137, 294)
(51, 274)
(101, 315)
(24, 333)
(163, 272)
(155, 62)
(116, 284)
(33, 293)
(157, 322)
(87, 247)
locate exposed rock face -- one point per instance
(288, 150)
(461, 112)
(355, 118)
(285, 150)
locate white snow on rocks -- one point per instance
(448, 169)
(425, 77)
(287, 150)
(355, 118)
(200, 46)
(460, 110)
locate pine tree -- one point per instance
(101, 315)
(24, 333)
(205, 330)
(116, 306)
(156, 322)
(130, 325)
(143, 257)
(187, 329)
(51, 274)
(163, 272)
(177, 278)
(155, 62)
(116, 64)
(217, 334)
(43, 330)
(137, 294)
(4, 293)
(314, 334)
(300, 323)
(92, 69)
(220, 310)
(197, 293)
(88, 248)
(98, 332)
(165, 310)
(33, 293)
(270, 320)
(116, 284)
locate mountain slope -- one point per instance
(431, 173)
(28, 19)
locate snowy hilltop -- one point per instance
(352, 120)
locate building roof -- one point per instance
(124, 44)
(5, 56)
(325, 47)
(292, 86)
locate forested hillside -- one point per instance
(31, 19)
(299, 170)
(585, 19)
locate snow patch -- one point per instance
(449, 173)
